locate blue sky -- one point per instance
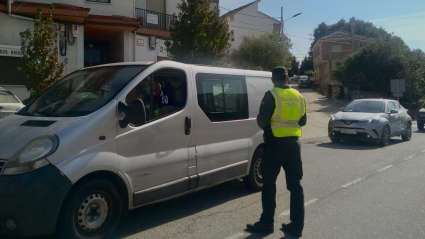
(405, 18)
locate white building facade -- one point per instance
(94, 32)
(247, 20)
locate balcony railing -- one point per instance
(153, 19)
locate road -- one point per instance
(352, 190)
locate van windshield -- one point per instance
(83, 92)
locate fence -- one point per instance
(153, 19)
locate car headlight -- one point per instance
(333, 118)
(374, 120)
(32, 156)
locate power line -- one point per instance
(294, 44)
(245, 14)
(254, 24)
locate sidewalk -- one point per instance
(319, 110)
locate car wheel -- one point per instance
(334, 140)
(420, 125)
(92, 211)
(254, 181)
(408, 135)
(386, 136)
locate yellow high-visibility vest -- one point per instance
(290, 108)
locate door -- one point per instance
(222, 127)
(154, 156)
(394, 118)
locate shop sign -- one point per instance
(13, 51)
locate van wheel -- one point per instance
(254, 181)
(92, 211)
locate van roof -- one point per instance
(196, 68)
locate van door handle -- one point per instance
(187, 125)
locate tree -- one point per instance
(380, 61)
(295, 67)
(39, 60)
(199, 35)
(306, 65)
(264, 50)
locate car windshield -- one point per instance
(7, 97)
(365, 107)
(83, 92)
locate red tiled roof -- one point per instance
(57, 5)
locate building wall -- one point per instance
(171, 6)
(155, 5)
(243, 25)
(140, 4)
(116, 7)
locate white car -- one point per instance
(9, 103)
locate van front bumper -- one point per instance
(30, 203)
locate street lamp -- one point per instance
(283, 29)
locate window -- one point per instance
(163, 93)
(232, 35)
(101, 1)
(390, 106)
(222, 97)
(336, 48)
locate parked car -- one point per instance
(421, 119)
(9, 103)
(112, 138)
(375, 120)
(304, 81)
(294, 78)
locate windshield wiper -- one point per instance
(48, 114)
(25, 113)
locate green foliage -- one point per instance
(310, 73)
(306, 65)
(264, 50)
(39, 61)
(295, 67)
(199, 35)
(381, 60)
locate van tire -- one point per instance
(254, 181)
(98, 197)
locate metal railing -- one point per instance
(153, 19)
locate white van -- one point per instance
(111, 138)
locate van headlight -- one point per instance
(333, 118)
(32, 156)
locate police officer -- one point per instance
(282, 113)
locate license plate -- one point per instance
(348, 131)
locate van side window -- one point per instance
(163, 93)
(222, 97)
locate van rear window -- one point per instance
(222, 97)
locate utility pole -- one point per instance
(283, 34)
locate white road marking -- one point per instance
(410, 157)
(384, 168)
(235, 236)
(352, 183)
(287, 212)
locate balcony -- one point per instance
(154, 20)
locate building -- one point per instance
(247, 20)
(326, 52)
(94, 32)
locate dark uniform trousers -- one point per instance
(286, 153)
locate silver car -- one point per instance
(9, 103)
(375, 120)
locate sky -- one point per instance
(405, 19)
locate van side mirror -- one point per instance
(394, 111)
(135, 113)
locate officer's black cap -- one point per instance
(279, 74)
